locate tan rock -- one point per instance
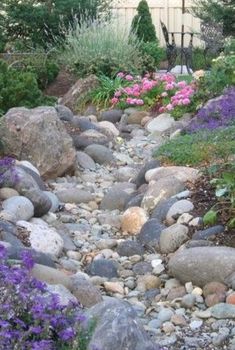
(136, 117)
(133, 219)
(182, 173)
(114, 287)
(110, 127)
(6, 193)
(148, 282)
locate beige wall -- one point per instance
(169, 11)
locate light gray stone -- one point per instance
(173, 237)
(74, 195)
(21, 207)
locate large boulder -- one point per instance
(117, 327)
(201, 265)
(78, 91)
(39, 136)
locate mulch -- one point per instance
(203, 198)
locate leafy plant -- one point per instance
(19, 89)
(142, 23)
(101, 48)
(152, 55)
(225, 193)
(201, 148)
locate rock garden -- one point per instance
(117, 202)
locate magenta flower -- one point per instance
(129, 77)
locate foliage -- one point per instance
(229, 46)
(19, 89)
(30, 317)
(218, 112)
(152, 55)
(101, 48)
(219, 11)
(142, 23)
(160, 93)
(199, 59)
(225, 193)
(203, 147)
(38, 22)
(102, 95)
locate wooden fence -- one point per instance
(169, 11)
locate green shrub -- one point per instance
(152, 55)
(200, 61)
(19, 89)
(102, 49)
(200, 148)
(142, 23)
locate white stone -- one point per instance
(161, 123)
(184, 218)
(182, 173)
(180, 207)
(109, 126)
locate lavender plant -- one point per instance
(220, 112)
(30, 317)
(7, 163)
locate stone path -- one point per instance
(123, 227)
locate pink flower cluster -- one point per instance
(171, 93)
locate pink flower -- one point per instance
(114, 100)
(129, 77)
(129, 100)
(139, 102)
(162, 109)
(169, 86)
(181, 84)
(120, 75)
(186, 101)
(117, 93)
(169, 107)
(164, 94)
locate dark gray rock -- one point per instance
(40, 200)
(135, 201)
(114, 199)
(140, 178)
(202, 265)
(85, 161)
(89, 137)
(209, 233)
(38, 257)
(161, 209)
(64, 113)
(117, 327)
(198, 243)
(150, 233)
(142, 268)
(54, 201)
(83, 123)
(8, 233)
(129, 248)
(113, 115)
(100, 154)
(102, 268)
(35, 176)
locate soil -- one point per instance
(61, 84)
(203, 197)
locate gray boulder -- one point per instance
(85, 161)
(20, 207)
(113, 115)
(150, 233)
(40, 200)
(64, 113)
(100, 154)
(89, 137)
(201, 265)
(140, 178)
(117, 327)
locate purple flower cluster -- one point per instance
(7, 165)
(218, 112)
(30, 317)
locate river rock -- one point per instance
(117, 327)
(182, 173)
(85, 292)
(113, 115)
(223, 310)
(109, 127)
(88, 138)
(100, 154)
(8, 233)
(20, 207)
(172, 238)
(133, 219)
(201, 265)
(140, 178)
(64, 113)
(43, 238)
(7, 192)
(178, 208)
(150, 233)
(129, 248)
(160, 190)
(84, 124)
(74, 195)
(209, 233)
(54, 201)
(85, 161)
(136, 117)
(161, 123)
(102, 268)
(114, 199)
(52, 153)
(40, 200)
(161, 209)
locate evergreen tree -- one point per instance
(142, 23)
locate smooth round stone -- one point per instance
(82, 288)
(180, 207)
(109, 127)
(100, 154)
(214, 288)
(196, 324)
(7, 192)
(130, 248)
(64, 113)
(112, 115)
(142, 268)
(165, 315)
(83, 123)
(160, 211)
(188, 301)
(54, 201)
(209, 233)
(88, 138)
(223, 311)
(148, 282)
(155, 324)
(74, 195)
(114, 199)
(102, 268)
(140, 178)
(85, 161)
(133, 219)
(21, 207)
(40, 200)
(150, 232)
(160, 124)
(173, 237)
(125, 173)
(134, 201)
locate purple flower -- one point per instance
(27, 259)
